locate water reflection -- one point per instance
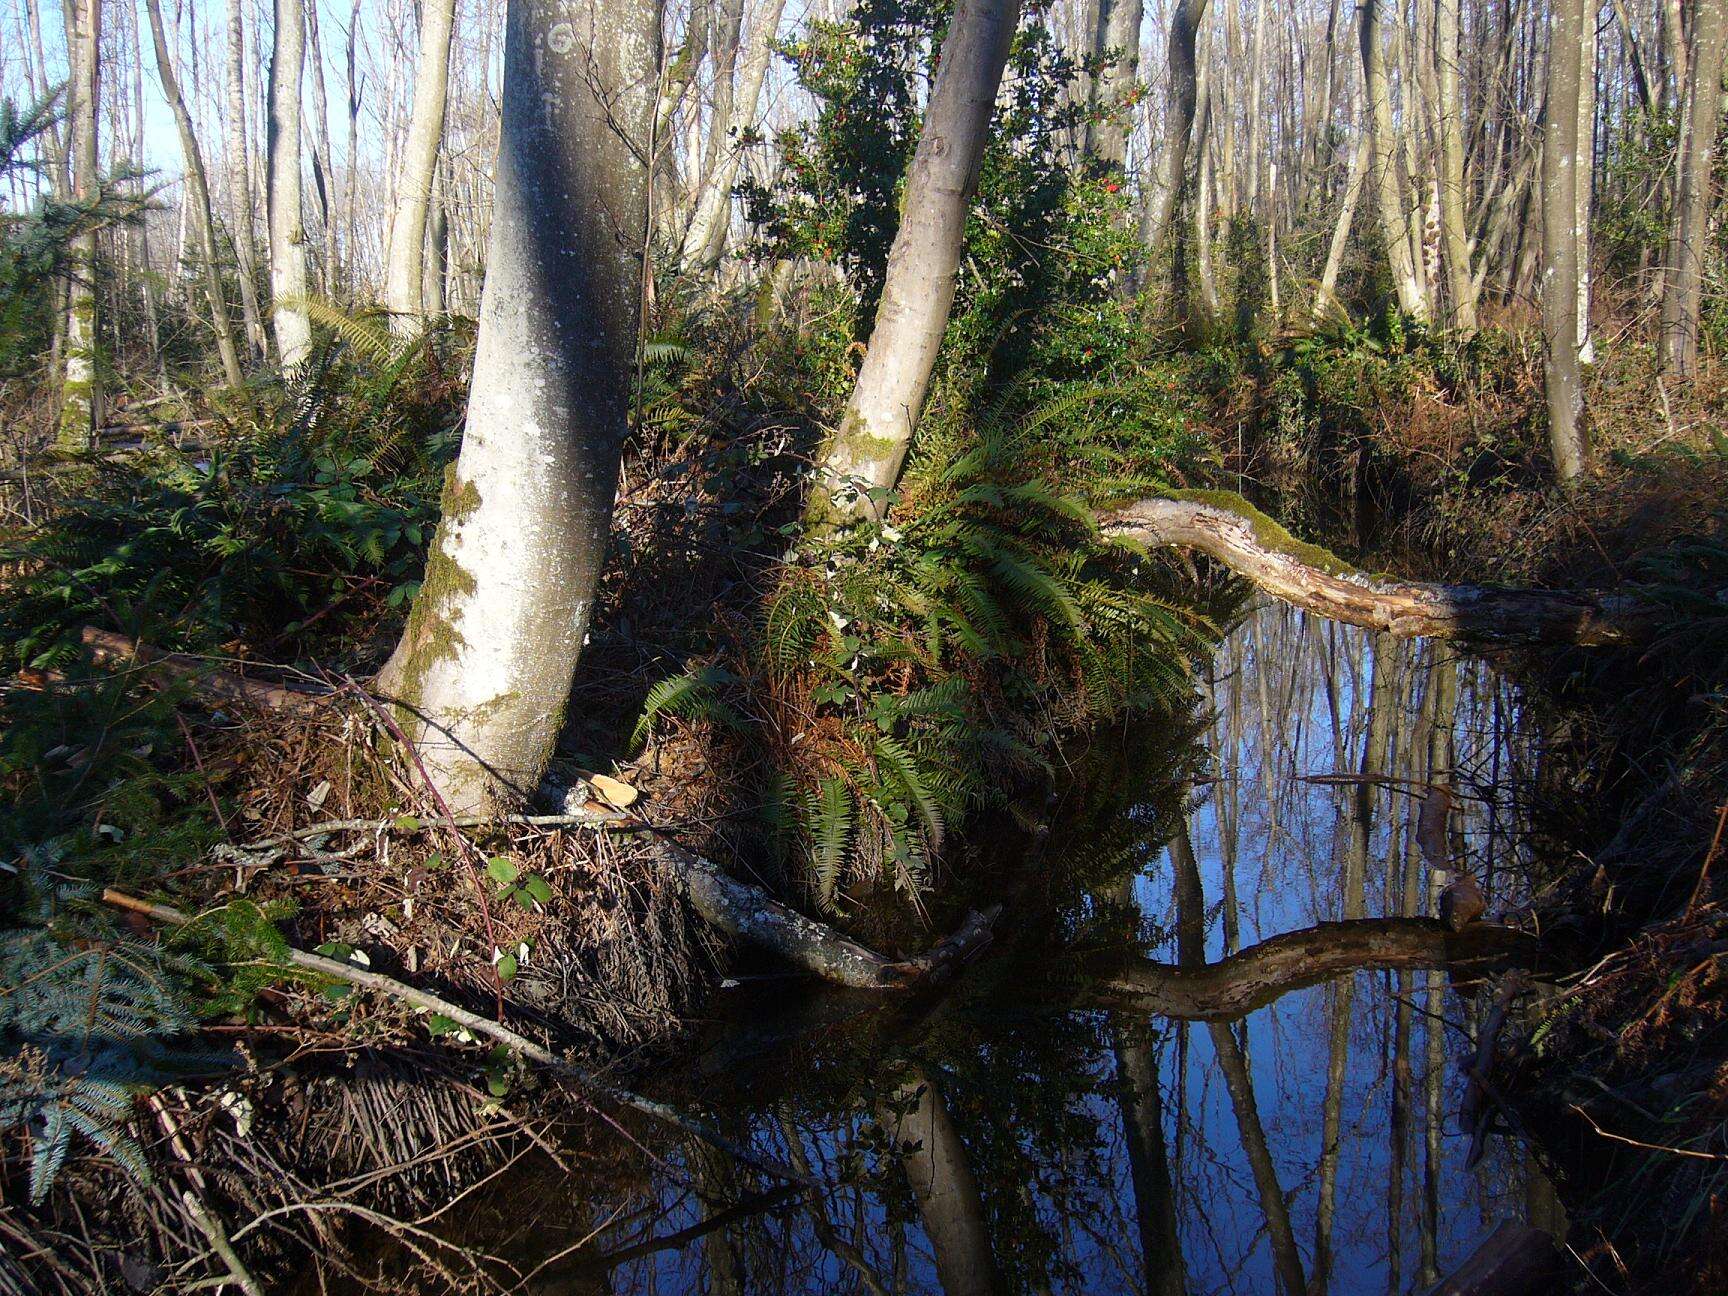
(1008, 1137)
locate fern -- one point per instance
(691, 695)
(830, 818)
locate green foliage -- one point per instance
(271, 529)
(36, 243)
(906, 676)
(90, 1020)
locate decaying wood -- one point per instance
(518, 1045)
(1255, 547)
(1237, 985)
(1513, 1260)
(117, 651)
(750, 914)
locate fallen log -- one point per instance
(1226, 527)
(116, 651)
(750, 914)
(518, 1045)
(1254, 977)
(1513, 1260)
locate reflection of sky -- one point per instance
(1272, 680)
(1030, 1091)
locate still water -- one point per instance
(1007, 1138)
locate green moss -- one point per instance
(431, 633)
(459, 499)
(1272, 535)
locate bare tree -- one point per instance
(1561, 240)
(1118, 24)
(1683, 286)
(1182, 99)
(198, 199)
(1394, 205)
(405, 293)
(483, 671)
(282, 152)
(239, 167)
(81, 386)
(876, 430)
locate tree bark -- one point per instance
(1561, 240)
(938, 1172)
(198, 195)
(1688, 239)
(1262, 973)
(705, 240)
(864, 460)
(1460, 283)
(1389, 188)
(1182, 100)
(282, 154)
(81, 387)
(1251, 544)
(483, 671)
(1118, 30)
(404, 292)
(239, 166)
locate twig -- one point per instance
(1650, 1147)
(518, 1045)
(200, 1214)
(1709, 859)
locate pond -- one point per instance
(1008, 1137)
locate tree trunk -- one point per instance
(1688, 239)
(404, 293)
(1561, 238)
(705, 240)
(1182, 100)
(239, 165)
(282, 152)
(1327, 297)
(484, 667)
(1389, 188)
(1460, 283)
(323, 165)
(940, 1176)
(434, 296)
(1119, 30)
(81, 389)
(864, 460)
(198, 196)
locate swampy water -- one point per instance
(1003, 1138)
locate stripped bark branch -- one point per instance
(1227, 528)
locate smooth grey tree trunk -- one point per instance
(876, 430)
(405, 277)
(282, 155)
(1182, 100)
(198, 196)
(1118, 30)
(323, 165)
(1561, 239)
(705, 240)
(1688, 239)
(1389, 188)
(940, 1176)
(1460, 283)
(239, 167)
(484, 667)
(81, 386)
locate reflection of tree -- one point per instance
(1359, 819)
(1141, 1103)
(937, 1170)
(1191, 949)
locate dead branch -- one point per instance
(1232, 531)
(1254, 977)
(115, 650)
(518, 1045)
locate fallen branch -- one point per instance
(518, 1045)
(117, 651)
(749, 913)
(1254, 977)
(1228, 528)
